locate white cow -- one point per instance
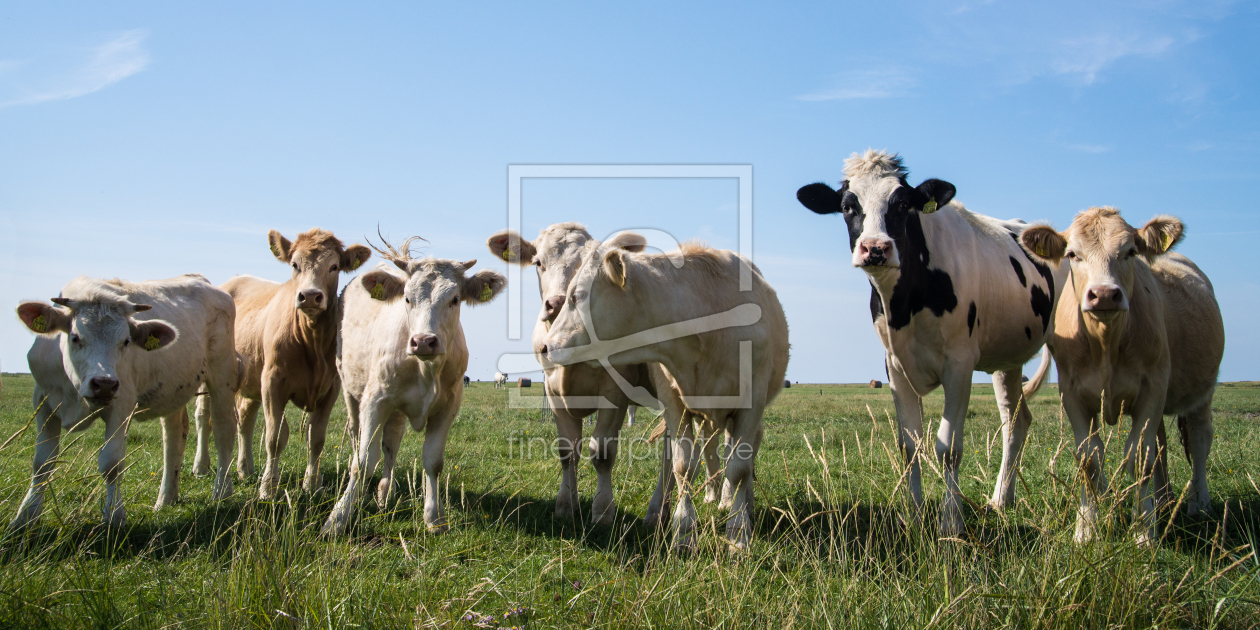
(556, 255)
(403, 357)
(952, 292)
(724, 351)
(108, 351)
(500, 380)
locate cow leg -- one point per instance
(110, 464)
(745, 431)
(247, 411)
(715, 486)
(909, 409)
(1087, 433)
(658, 505)
(372, 417)
(603, 453)
(174, 441)
(1197, 433)
(1016, 419)
(274, 436)
(316, 434)
(435, 433)
(352, 427)
(47, 443)
(201, 418)
(569, 432)
(1143, 458)
(956, 382)
(391, 439)
(685, 464)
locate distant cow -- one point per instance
(500, 380)
(122, 351)
(572, 390)
(466, 379)
(402, 359)
(1138, 331)
(723, 349)
(952, 292)
(286, 335)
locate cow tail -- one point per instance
(1034, 384)
(658, 431)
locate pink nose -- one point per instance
(873, 251)
(425, 345)
(552, 306)
(310, 298)
(1104, 298)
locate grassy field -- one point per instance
(835, 545)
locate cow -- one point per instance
(556, 255)
(724, 351)
(1137, 331)
(500, 380)
(952, 292)
(286, 335)
(402, 357)
(119, 351)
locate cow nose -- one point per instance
(310, 298)
(552, 305)
(103, 387)
(1103, 298)
(425, 345)
(874, 251)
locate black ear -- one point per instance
(820, 198)
(936, 190)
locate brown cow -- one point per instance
(286, 335)
(1137, 331)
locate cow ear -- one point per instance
(153, 334)
(1044, 242)
(42, 318)
(1159, 235)
(510, 246)
(615, 266)
(483, 286)
(628, 241)
(354, 257)
(935, 193)
(382, 285)
(820, 198)
(280, 246)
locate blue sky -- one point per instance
(149, 140)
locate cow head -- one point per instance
(557, 254)
(602, 294)
(1103, 251)
(431, 296)
(878, 206)
(96, 331)
(317, 258)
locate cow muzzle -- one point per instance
(311, 301)
(875, 252)
(1104, 300)
(425, 346)
(103, 390)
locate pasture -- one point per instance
(835, 542)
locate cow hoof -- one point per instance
(313, 483)
(223, 489)
(334, 526)
(438, 528)
(654, 520)
(605, 514)
(1146, 540)
(267, 489)
(201, 470)
(116, 518)
(710, 495)
(162, 502)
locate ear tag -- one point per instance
(378, 292)
(929, 207)
(508, 255)
(275, 250)
(39, 324)
(355, 264)
(1041, 249)
(1167, 240)
(152, 343)
(486, 293)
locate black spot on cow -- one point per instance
(918, 287)
(971, 318)
(877, 305)
(1019, 271)
(1028, 332)
(1041, 305)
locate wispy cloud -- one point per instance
(887, 82)
(104, 65)
(1090, 55)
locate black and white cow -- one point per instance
(951, 292)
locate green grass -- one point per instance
(835, 545)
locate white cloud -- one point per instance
(888, 82)
(1089, 55)
(105, 65)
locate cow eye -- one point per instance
(74, 339)
(455, 301)
(335, 268)
(1071, 255)
(1131, 253)
(295, 266)
(407, 300)
(126, 342)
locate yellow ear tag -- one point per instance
(355, 265)
(275, 250)
(378, 292)
(929, 207)
(1168, 241)
(39, 324)
(508, 255)
(152, 343)
(486, 293)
